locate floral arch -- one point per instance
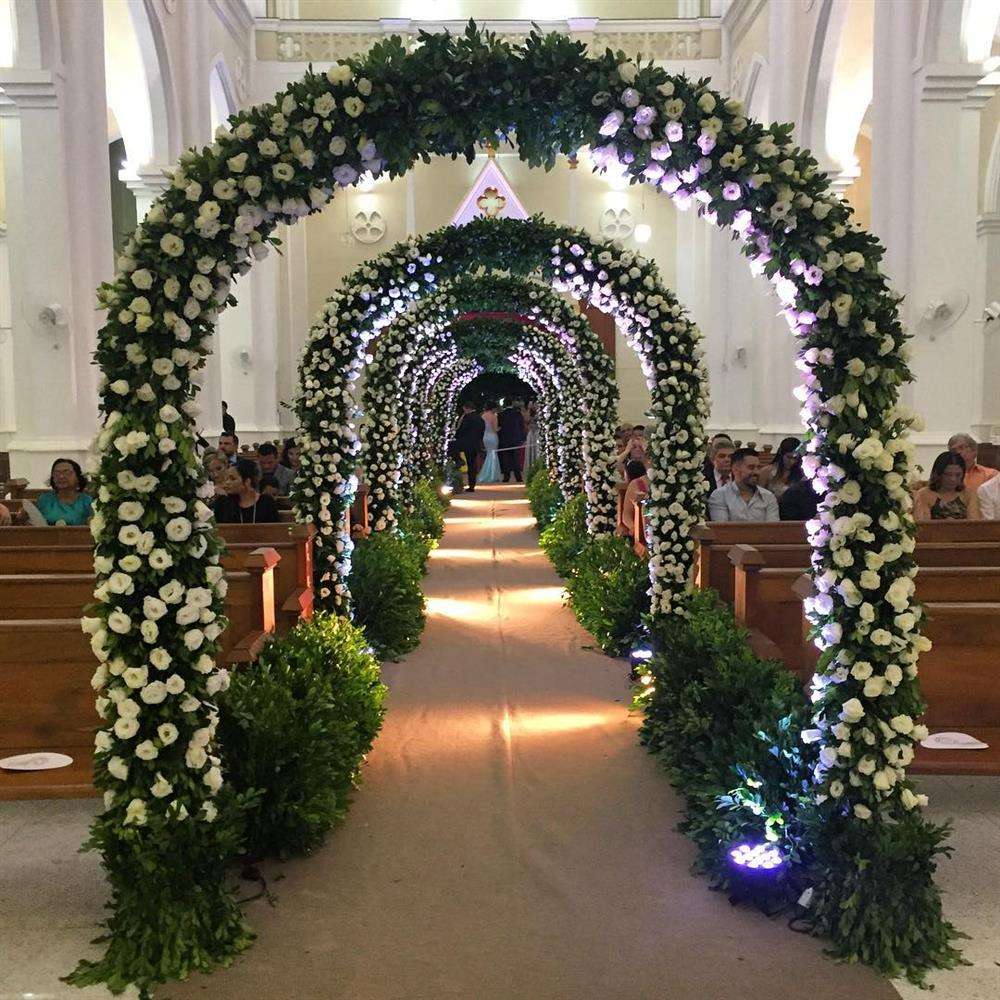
(568, 259)
(541, 322)
(157, 551)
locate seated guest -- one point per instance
(217, 467)
(964, 445)
(638, 487)
(947, 496)
(720, 458)
(634, 450)
(712, 441)
(787, 467)
(269, 487)
(229, 445)
(5, 518)
(799, 501)
(989, 499)
(290, 455)
(243, 504)
(66, 502)
(742, 499)
(269, 466)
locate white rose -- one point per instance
(175, 684)
(117, 768)
(187, 615)
(339, 73)
(874, 686)
(135, 813)
(862, 811)
(204, 664)
(173, 505)
(119, 622)
(154, 693)
(126, 728)
(178, 529)
(103, 741)
(146, 750)
(135, 677)
(130, 563)
(194, 638)
(160, 559)
(153, 608)
(127, 708)
(161, 788)
(149, 631)
(172, 592)
(195, 757)
(213, 778)
(172, 245)
(902, 724)
(159, 657)
(167, 733)
(169, 414)
(852, 711)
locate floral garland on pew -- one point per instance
(278, 162)
(413, 343)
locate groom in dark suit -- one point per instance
(469, 440)
(512, 436)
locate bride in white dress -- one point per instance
(490, 472)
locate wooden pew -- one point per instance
(47, 703)
(960, 675)
(46, 700)
(69, 550)
(715, 539)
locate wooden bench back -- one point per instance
(713, 568)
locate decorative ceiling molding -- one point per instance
(739, 18)
(236, 19)
(327, 41)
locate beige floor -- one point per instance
(511, 841)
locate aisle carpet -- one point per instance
(511, 840)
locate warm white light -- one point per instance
(643, 232)
(366, 182)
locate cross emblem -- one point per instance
(491, 202)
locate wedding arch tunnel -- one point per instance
(418, 273)
(279, 162)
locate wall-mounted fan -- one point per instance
(942, 312)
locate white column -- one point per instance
(943, 215)
(987, 424)
(53, 333)
(893, 149)
(146, 183)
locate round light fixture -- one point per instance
(643, 233)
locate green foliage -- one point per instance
(544, 495)
(171, 913)
(565, 537)
(726, 726)
(608, 592)
(295, 727)
(385, 592)
(875, 896)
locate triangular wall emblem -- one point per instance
(490, 195)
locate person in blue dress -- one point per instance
(66, 502)
(490, 472)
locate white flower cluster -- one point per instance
(699, 149)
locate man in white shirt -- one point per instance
(742, 499)
(989, 499)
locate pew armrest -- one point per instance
(746, 557)
(299, 603)
(247, 649)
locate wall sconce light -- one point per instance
(245, 360)
(643, 232)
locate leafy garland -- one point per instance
(160, 588)
(439, 403)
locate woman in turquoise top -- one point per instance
(66, 503)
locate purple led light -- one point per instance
(756, 857)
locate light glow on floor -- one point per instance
(450, 607)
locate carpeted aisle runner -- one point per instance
(511, 840)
